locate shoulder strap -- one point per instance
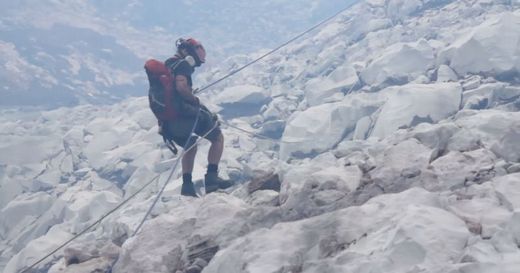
(173, 62)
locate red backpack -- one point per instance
(160, 97)
(160, 93)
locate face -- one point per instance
(201, 53)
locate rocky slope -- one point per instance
(397, 130)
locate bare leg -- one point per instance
(215, 150)
(211, 179)
(188, 160)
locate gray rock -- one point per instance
(471, 83)
(515, 168)
(446, 74)
(269, 181)
(201, 248)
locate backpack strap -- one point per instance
(176, 61)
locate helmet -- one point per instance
(191, 45)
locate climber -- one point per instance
(191, 54)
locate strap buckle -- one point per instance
(171, 145)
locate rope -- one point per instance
(274, 50)
(259, 135)
(251, 133)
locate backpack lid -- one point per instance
(155, 68)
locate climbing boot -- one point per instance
(213, 182)
(188, 189)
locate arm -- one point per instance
(183, 88)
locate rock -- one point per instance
(245, 94)
(481, 209)
(446, 74)
(200, 263)
(264, 198)
(331, 88)
(362, 128)
(410, 156)
(411, 104)
(421, 234)
(436, 137)
(309, 189)
(200, 252)
(493, 129)
(509, 188)
(346, 179)
(319, 128)
(197, 266)
(456, 169)
(197, 226)
(399, 63)
(265, 182)
(488, 48)
(398, 10)
(327, 197)
(193, 269)
(94, 265)
(242, 100)
(492, 93)
(273, 129)
(515, 168)
(37, 248)
(476, 103)
(23, 210)
(471, 83)
(84, 251)
(507, 146)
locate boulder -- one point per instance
(321, 127)
(400, 63)
(412, 104)
(490, 48)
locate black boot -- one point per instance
(188, 189)
(213, 182)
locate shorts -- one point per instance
(180, 129)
